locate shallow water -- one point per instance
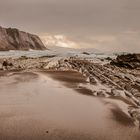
(48, 106)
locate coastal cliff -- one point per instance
(14, 39)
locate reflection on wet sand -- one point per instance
(47, 106)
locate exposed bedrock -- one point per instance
(103, 80)
(108, 81)
(131, 61)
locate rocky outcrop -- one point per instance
(13, 39)
(108, 81)
(102, 80)
(131, 61)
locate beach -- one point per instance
(51, 105)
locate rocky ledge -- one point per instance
(109, 81)
(131, 61)
(13, 39)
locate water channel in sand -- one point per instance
(49, 106)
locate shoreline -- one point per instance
(105, 81)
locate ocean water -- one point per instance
(49, 53)
(16, 54)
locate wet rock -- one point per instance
(131, 61)
(109, 58)
(5, 63)
(101, 93)
(92, 80)
(86, 53)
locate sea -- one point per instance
(52, 53)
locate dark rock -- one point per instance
(101, 94)
(92, 80)
(109, 58)
(86, 53)
(5, 63)
(131, 61)
(102, 60)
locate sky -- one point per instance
(108, 25)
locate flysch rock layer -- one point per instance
(109, 81)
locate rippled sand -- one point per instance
(51, 106)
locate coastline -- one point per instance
(105, 82)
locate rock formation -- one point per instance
(106, 80)
(131, 61)
(13, 39)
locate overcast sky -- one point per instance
(103, 24)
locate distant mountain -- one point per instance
(14, 39)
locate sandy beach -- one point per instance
(50, 105)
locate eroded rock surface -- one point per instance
(106, 80)
(131, 61)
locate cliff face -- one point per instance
(13, 39)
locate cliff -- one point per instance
(13, 39)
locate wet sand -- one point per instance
(49, 106)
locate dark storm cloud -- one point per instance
(97, 23)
